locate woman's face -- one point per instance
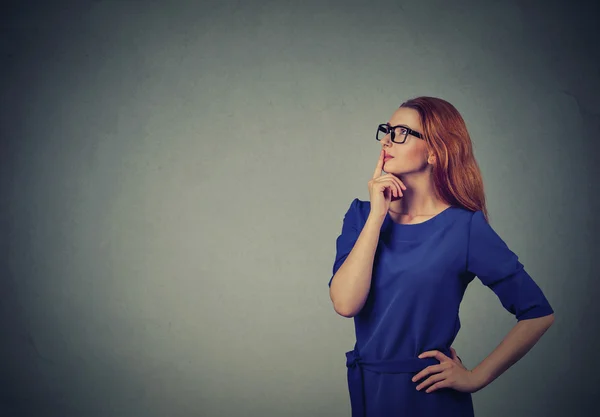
(410, 156)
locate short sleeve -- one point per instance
(498, 268)
(348, 236)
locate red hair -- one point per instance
(456, 175)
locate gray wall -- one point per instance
(174, 176)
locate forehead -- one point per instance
(406, 116)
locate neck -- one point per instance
(419, 199)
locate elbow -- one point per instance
(341, 308)
(345, 311)
(544, 321)
(547, 319)
(344, 305)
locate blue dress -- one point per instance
(420, 274)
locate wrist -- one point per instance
(376, 218)
(480, 378)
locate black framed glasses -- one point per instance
(398, 133)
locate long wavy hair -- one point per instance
(456, 174)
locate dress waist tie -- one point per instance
(356, 364)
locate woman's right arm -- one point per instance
(351, 283)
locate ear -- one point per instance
(431, 159)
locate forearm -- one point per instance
(521, 338)
(351, 283)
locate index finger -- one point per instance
(379, 167)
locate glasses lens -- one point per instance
(382, 130)
(400, 134)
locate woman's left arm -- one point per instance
(521, 338)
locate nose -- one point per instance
(387, 140)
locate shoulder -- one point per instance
(464, 218)
(359, 207)
(477, 219)
(462, 211)
(468, 215)
(358, 211)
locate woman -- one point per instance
(404, 260)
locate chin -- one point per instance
(394, 171)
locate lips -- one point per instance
(386, 157)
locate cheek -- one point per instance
(415, 155)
